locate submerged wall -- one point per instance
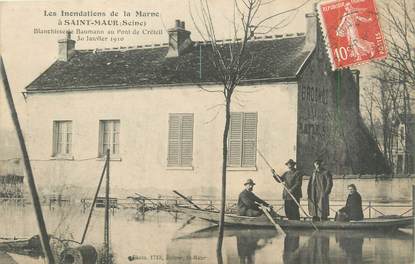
(385, 188)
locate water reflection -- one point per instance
(317, 250)
(291, 245)
(159, 239)
(247, 242)
(353, 248)
(298, 246)
(314, 248)
(6, 259)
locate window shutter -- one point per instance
(68, 137)
(174, 140)
(55, 138)
(235, 140)
(249, 139)
(101, 139)
(116, 138)
(107, 126)
(187, 140)
(242, 140)
(60, 145)
(180, 146)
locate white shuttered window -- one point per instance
(242, 139)
(180, 142)
(62, 138)
(109, 137)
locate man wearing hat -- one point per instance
(247, 202)
(293, 180)
(319, 188)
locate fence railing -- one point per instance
(371, 209)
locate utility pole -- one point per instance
(107, 209)
(44, 238)
(413, 215)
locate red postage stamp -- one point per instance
(352, 32)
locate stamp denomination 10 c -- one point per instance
(352, 32)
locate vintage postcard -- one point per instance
(207, 131)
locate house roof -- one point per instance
(275, 58)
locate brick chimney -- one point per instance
(66, 47)
(356, 77)
(179, 40)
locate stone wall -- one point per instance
(385, 188)
(375, 188)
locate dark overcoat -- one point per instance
(247, 201)
(353, 207)
(319, 188)
(293, 181)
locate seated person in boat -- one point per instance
(247, 202)
(353, 209)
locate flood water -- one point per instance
(162, 237)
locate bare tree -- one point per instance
(385, 104)
(387, 100)
(399, 32)
(369, 110)
(232, 60)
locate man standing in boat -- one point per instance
(247, 202)
(293, 179)
(318, 191)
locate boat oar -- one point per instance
(277, 226)
(198, 231)
(186, 223)
(276, 177)
(193, 204)
(187, 199)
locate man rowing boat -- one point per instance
(248, 201)
(293, 180)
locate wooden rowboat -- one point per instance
(262, 221)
